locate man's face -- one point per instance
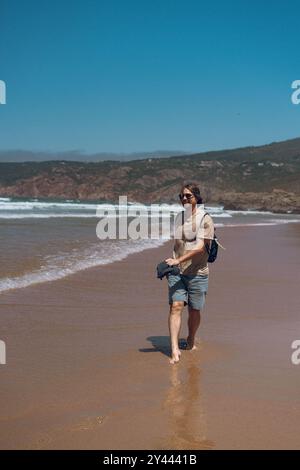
(187, 198)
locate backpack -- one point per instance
(213, 250)
(214, 246)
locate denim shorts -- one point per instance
(190, 289)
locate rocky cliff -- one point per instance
(263, 178)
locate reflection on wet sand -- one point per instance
(185, 409)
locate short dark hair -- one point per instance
(195, 190)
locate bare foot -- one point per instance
(175, 357)
(190, 344)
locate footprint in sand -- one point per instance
(88, 424)
(43, 441)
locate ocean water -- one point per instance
(47, 240)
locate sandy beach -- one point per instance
(88, 355)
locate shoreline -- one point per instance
(88, 355)
(51, 272)
(226, 207)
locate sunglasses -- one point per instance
(187, 196)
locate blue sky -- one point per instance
(124, 76)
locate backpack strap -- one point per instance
(221, 246)
(207, 244)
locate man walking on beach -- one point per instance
(194, 231)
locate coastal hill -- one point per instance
(263, 178)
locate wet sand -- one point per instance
(88, 356)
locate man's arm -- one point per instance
(200, 248)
